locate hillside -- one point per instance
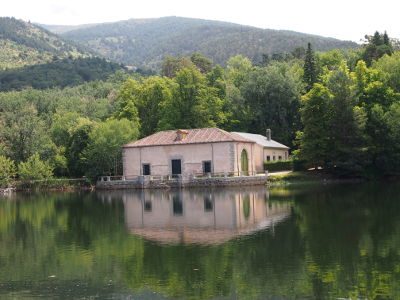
(31, 56)
(23, 44)
(145, 42)
(59, 73)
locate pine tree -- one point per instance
(310, 73)
(386, 39)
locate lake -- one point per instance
(309, 241)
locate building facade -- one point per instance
(267, 149)
(201, 216)
(189, 153)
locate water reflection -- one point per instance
(200, 216)
(336, 242)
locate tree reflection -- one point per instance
(340, 242)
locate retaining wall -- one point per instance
(145, 183)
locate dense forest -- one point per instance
(144, 42)
(58, 73)
(338, 111)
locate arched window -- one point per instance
(244, 162)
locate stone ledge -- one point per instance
(195, 182)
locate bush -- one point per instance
(7, 171)
(54, 184)
(279, 165)
(299, 165)
(35, 169)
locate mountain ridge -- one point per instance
(145, 42)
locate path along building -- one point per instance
(193, 152)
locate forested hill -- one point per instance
(23, 44)
(58, 73)
(145, 42)
(31, 56)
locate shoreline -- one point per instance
(274, 179)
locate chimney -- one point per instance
(268, 134)
(181, 135)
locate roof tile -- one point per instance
(194, 136)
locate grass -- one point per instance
(299, 177)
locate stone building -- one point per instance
(201, 216)
(268, 150)
(193, 152)
(189, 152)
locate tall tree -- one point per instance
(193, 103)
(310, 71)
(7, 171)
(347, 123)
(103, 155)
(172, 65)
(273, 95)
(154, 91)
(78, 141)
(376, 46)
(24, 134)
(203, 63)
(314, 140)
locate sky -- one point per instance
(342, 19)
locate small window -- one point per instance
(147, 206)
(273, 157)
(280, 157)
(206, 166)
(208, 203)
(268, 158)
(146, 169)
(177, 205)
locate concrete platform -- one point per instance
(157, 182)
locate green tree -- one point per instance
(103, 155)
(35, 169)
(314, 141)
(273, 97)
(172, 65)
(347, 125)
(193, 103)
(237, 70)
(203, 63)
(77, 143)
(392, 124)
(390, 68)
(7, 171)
(24, 133)
(153, 92)
(310, 71)
(126, 104)
(376, 46)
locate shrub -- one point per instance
(299, 165)
(7, 171)
(279, 165)
(35, 169)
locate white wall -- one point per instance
(272, 152)
(191, 155)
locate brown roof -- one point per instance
(194, 136)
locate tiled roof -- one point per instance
(193, 136)
(261, 140)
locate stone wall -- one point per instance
(144, 183)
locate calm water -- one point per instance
(323, 242)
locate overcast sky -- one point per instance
(343, 19)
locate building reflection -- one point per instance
(201, 216)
